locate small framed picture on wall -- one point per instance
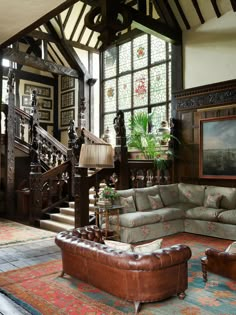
(44, 115)
(66, 116)
(67, 83)
(68, 99)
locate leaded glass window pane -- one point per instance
(110, 95)
(158, 84)
(158, 49)
(140, 88)
(125, 57)
(110, 60)
(140, 52)
(124, 92)
(169, 81)
(159, 114)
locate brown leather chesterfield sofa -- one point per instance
(219, 262)
(134, 277)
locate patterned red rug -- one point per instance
(13, 232)
(42, 288)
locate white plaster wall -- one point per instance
(209, 52)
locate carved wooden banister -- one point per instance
(48, 189)
(144, 173)
(91, 137)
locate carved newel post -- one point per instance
(35, 166)
(10, 153)
(121, 151)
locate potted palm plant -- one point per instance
(149, 143)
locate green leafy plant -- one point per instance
(147, 142)
(108, 193)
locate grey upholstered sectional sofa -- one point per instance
(156, 211)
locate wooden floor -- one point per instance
(23, 255)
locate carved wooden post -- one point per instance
(35, 167)
(10, 153)
(80, 180)
(81, 197)
(121, 151)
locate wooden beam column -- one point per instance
(10, 152)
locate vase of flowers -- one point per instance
(107, 195)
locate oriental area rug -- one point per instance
(13, 232)
(41, 290)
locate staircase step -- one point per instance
(67, 211)
(55, 226)
(68, 219)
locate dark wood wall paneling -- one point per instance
(191, 105)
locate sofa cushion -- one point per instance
(147, 247)
(228, 216)
(202, 213)
(141, 195)
(118, 245)
(213, 201)
(184, 205)
(128, 204)
(231, 248)
(170, 213)
(123, 193)
(191, 193)
(136, 219)
(169, 194)
(155, 202)
(228, 200)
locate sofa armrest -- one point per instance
(215, 254)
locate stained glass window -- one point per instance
(110, 59)
(110, 95)
(158, 84)
(124, 92)
(140, 90)
(158, 48)
(125, 57)
(137, 77)
(140, 52)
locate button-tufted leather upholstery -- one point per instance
(130, 276)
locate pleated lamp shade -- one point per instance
(96, 156)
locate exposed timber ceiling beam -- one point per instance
(233, 4)
(152, 26)
(68, 53)
(199, 13)
(38, 63)
(216, 8)
(50, 38)
(65, 5)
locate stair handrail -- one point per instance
(46, 189)
(91, 137)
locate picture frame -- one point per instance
(26, 101)
(45, 103)
(217, 148)
(40, 90)
(67, 83)
(67, 99)
(66, 116)
(44, 115)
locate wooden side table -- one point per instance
(107, 211)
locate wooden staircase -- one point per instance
(64, 218)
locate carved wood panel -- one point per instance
(216, 100)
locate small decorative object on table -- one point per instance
(106, 196)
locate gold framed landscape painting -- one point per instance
(218, 148)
